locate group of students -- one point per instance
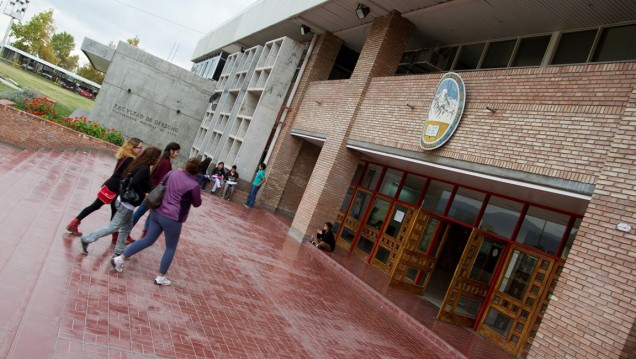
(229, 180)
(143, 169)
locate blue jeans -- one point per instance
(159, 223)
(122, 222)
(139, 212)
(251, 198)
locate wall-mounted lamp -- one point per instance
(242, 49)
(362, 11)
(410, 106)
(318, 102)
(492, 110)
(129, 90)
(178, 112)
(304, 30)
(214, 97)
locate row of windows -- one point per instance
(530, 225)
(604, 44)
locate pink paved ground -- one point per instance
(241, 287)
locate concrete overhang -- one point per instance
(98, 54)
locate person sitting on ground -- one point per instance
(202, 179)
(217, 175)
(231, 180)
(325, 239)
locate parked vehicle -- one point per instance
(47, 75)
(86, 93)
(69, 85)
(28, 66)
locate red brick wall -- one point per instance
(298, 178)
(24, 130)
(592, 313)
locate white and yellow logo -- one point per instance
(445, 111)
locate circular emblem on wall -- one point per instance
(445, 111)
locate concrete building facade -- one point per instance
(521, 226)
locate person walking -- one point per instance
(164, 166)
(182, 192)
(259, 180)
(125, 155)
(138, 181)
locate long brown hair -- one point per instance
(148, 157)
(172, 146)
(126, 149)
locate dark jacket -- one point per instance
(140, 183)
(231, 177)
(204, 165)
(164, 166)
(327, 237)
(113, 183)
(217, 171)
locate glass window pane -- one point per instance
(466, 205)
(498, 54)
(517, 275)
(359, 204)
(358, 173)
(498, 322)
(531, 51)
(443, 58)
(469, 56)
(378, 213)
(617, 44)
(427, 235)
(574, 47)
(382, 254)
(391, 181)
(396, 221)
(467, 307)
(371, 176)
(486, 261)
(412, 188)
(365, 245)
(437, 196)
(501, 216)
(347, 234)
(347, 199)
(542, 229)
(571, 237)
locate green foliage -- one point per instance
(89, 72)
(133, 41)
(35, 36)
(63, 43)
(45, 108)
(19, 96)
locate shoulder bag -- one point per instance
(105, 194)
(154, 198)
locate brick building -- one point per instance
(519, 226)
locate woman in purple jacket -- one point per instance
(182, 192)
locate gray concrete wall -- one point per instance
(146, 97)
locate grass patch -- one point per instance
(67, 101)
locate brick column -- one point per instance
(336, 164)
(593, 311)
(287, 147)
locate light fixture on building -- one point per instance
(214, 97)
(410, 106)
(492, 110)
(362, 11)
(129, 90)
(304, 30)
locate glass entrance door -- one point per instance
(417, 260)
(391, 240)
(517, 298)
(374, 223)
(472, 280)
(351, 222)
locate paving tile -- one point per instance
(241, 287)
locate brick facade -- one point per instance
(23, 130)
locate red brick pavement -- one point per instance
(241, 287)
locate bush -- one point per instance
(19, 96)
(44, 108)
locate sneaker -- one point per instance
(117, 263)
(162, 280)
(84, 246)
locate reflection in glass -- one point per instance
(467, 307)
(382, 254)
(437, 196)
(486, 261)
(358, 173)
(616, 44)
(427, 235)
(347, 234)
(359, 204)
(531, 51)
(395, 222)
(412, 188)
(378, 213)
(365, 245)
(371, 176)
(501, 216)
(347, 199)
(542, 229)
(573, 233)
(498, 322)
(391, 181)
(517, 275)
(466, 205)
(469, 56)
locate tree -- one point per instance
(35, 36)
(89, 72)
(63, 43)
(133, 41)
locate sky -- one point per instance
(167, 29)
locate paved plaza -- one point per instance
(241, 288)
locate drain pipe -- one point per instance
(291, 97)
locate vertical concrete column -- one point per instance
(287, 147)
(336, 165)
(592, 313)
